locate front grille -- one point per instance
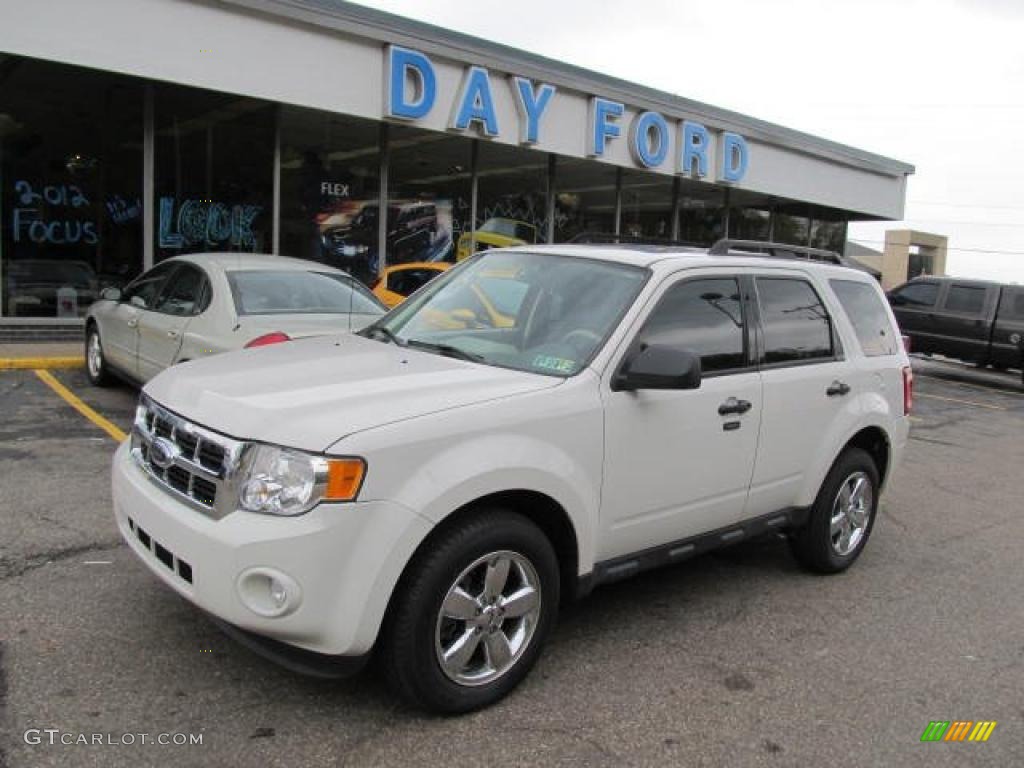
(194, 463)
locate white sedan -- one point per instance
(198, 305)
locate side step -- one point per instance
(677, 551)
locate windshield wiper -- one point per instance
(386, 332)
(445, 349)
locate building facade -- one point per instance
(328, 131)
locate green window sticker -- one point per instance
(557, 364)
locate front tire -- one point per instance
(471, 614)
(95, 363)
(842, 516)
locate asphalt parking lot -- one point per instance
(735, 659)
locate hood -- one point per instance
(299, 326)
(310, 393)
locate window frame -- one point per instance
(126, 293)
(671, 284)
(838, 350)
(204, 295)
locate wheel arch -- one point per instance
(542, 510)
(874, 441)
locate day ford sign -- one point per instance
(411, 93)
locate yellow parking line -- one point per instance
(962, 402)
(75, 402)
(35, 363)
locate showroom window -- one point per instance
(791, 227)
(584, 198)
(750, 224)
(429, 195)
(511, 207)
(701, 213)
(70, 186)
(330, 171)
(828, 230)
(646, 205)
(213, 172)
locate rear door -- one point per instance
(963, 322)
(807, 383)
(1008, 332)
(161, 328)
(914, 306)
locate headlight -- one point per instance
(280, 481)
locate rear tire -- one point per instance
(842, 516)
(471, 614)
(95, 362)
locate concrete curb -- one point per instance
(37, 363)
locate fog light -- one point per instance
(268, 592)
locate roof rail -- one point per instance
(593, 238)
(776, 250)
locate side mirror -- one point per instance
(111, 294)
(137, 301)
(896, 299)
(659, 367)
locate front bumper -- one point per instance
(341, 561)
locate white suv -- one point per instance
(536, 422)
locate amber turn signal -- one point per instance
(344, 478)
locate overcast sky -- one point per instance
(935, 83)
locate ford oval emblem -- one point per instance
(163, 453)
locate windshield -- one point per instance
(509, 228)
(533, 312)
(287, 292)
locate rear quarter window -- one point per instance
(863, 305)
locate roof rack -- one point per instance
(776, 250)
(595, 238)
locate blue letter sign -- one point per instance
(735, 157)
(407, 68)
(476, 104)
(694, 146)
(648, 139)
(530, 103)
(602, 111)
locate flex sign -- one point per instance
(410, 85)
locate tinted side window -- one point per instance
(864, 307)
(1011, 304)
(703, 316)
(182, 293)
(965, 298)
(796, 325)
(147, 286)
(918, 294)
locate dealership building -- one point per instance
(135, 130)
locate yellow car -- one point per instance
(402, 280)
(496, 233)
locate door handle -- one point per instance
(732, 405)
(172, 334)
(132, 322)
(839, 388)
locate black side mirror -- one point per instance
(111, 294)
(658, 367)
(896, 300)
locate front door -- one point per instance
(679, 463)
(121, 334)
(162, 328)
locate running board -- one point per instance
(677, 551)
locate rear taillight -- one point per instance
(268, 338)
(908, 390)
